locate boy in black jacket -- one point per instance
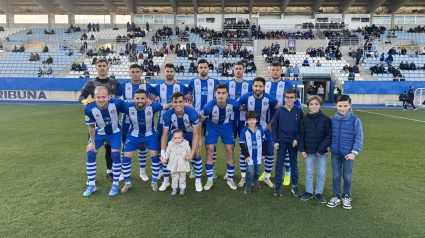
(285, 130)
(315, 138)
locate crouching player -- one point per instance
(142, 130)
(102, 119)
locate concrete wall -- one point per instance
(355, 25)
(374, 98)
(217, 25)
(301, 45)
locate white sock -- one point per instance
(142, 170)
(287, 174)
(243, 175)
(198, 180)
(266, 175)
(166, 179)
(109, 171)
(92, 183)
(127, 182)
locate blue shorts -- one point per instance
(132, 143)
(225, 131)
(113, 139)
(237, 128)
(187, 136)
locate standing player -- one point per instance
(126, 90)
(102, 118)
(276, 87)
(262, 103)
(142, 130)
(238, 87)
(102, 79)
(164, 92)
(201, 91)
(218, 111)
(186, 119)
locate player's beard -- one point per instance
(203, 74)
(170, 77)
(258, 93)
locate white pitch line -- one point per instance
(380, 114)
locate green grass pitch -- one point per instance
(42, 173)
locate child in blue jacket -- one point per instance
(347, 142)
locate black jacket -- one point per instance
(315, 133)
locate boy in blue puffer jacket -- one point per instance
(347, 142)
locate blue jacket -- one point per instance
(286, 125)
(410, 95)
(347, 134)
(315, 133)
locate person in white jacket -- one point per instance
(176, 155)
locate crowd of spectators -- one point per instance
(282, 35)
(73, 28)
(93, 27)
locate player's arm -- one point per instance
(86, 92)
(190, 88)
(244, 148)
(196, 137)
(164, 139)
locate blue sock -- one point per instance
(91, 167)
(142, 158)
(155, 168)
(126, 168)
(209, 169)
(116, 167)
(197, 166)
(230, 170)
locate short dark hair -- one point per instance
(177, 95)
(202, 61)
(251, 114)
(240, 63)
(177, 131)
(101, 60)
(135, 66)
(140, 90)
(259, 79)
(344, 98)
(169, 66)
(221, 86)
(275, 64)
(290, 91)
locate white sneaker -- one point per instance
(164, 186)
(154, 186)
(268, 182)
(121, 177)
(198, 186)
(209, 184)
(346, 202)
(335, 201)
(232, 184)
(144, 177)
(126, 187)
(242, 182)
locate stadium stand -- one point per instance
(6, 32)
(40, 36)
(103, 35)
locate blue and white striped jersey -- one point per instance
(142, 121)
(165, 93)
(127, 90)
(202, 91)
(254, 142)
(277, 90)
(186, 123)
(218, 115)
(260, 106)
(107, 120)
(236, 90)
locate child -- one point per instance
(347, 142)
(254, 148)
(177, 150)
(285, 130)
(315, 138)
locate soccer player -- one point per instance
(219, 112)
(126, 90)
(102, 119)
(276, 87)
(238, 87)
(102, 79)
(262, 103)
(163, 92)
(186, 119)
(201, 91)
(142, 130)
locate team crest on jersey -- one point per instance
(148, 113)
(133, 113)
(163, 89)
(248, 137)
(176, 90)
(232, 86)
(128, 88)
(186, 121)
(258, 137)
(197, 83)
(244, 87)
(113, 111)
(215, 112)
(265, 103)
(210, 84)
(281, 86)
(268, 86)
(229, 110)
(251, 103)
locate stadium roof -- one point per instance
(143, 6)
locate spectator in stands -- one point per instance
(177, 69)
(318, 64)
(1, 28)
(70, 52)
(89, 27)
(288, 71)
(181, 68)
(32, 57)
(403, 51)
(83, 66)
(45, 49)
(351, 77)
(36, 57)
(94, 60)
(29, 32)
(22, 48)
(83, 36)
(74, 66)
(40, 72)
(86, 74)
(359, 55)
(157, 69)
(97, 27)
(147, 26)
(49, 71)
(306, 63)
(49, 60)
(296, 71)
(389, 60)
(286, 63)
(412, 66)
(356, 69)
(321, 92)
(78, 68)
(382, 58)
(92, 37)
